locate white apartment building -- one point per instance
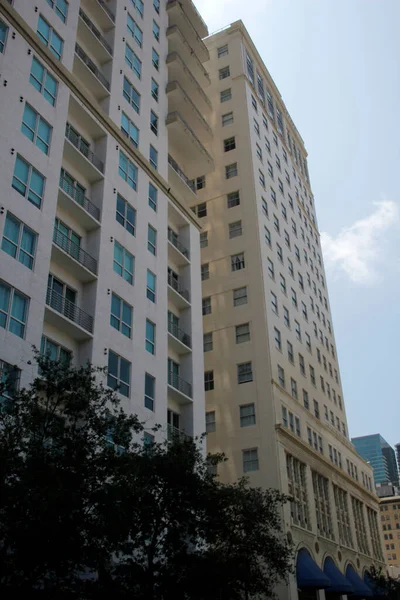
(99, 252)
(274, 399)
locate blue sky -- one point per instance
(336, 64)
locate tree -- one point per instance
(88, 509)
(384, 586)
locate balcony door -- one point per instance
(61, 297)
(68, 240)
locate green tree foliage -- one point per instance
(88, 510)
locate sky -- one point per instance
(336, 64)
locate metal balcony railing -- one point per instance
(74, 250)
(174, 433)
(180, 384)
(79, 197)
(70, 310)
(80, 145)
(108, 11)
(174, 239)
(175, 285)
(179, 334)
(181, 174)
(90, 64)
(95, 31)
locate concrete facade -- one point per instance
(390, 521)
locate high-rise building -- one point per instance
(390, 519)
(397, 446)
(381, 456)
(273, 391)
(99, 252)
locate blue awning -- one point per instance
(360, 588)
(308, 573)
(340, 585)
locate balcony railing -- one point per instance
(76, 194)
(175, 285)
(80, 145)
(179, 334)
(174, 239)
(95, 31)
(180, 384)
(174, 433)
(181, 174)
(70, 310)
(108, 11)
(90, 64)
(74, 250)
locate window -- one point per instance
(277, 337)
(264, 207)
(131, 95)
(222, 51)
(276, 224)
(210, 421)
(231, 171)
(41, 80)
(206, 306)
(227, 119)
(306, 400)
(298, 330)
(152, 197)
(9, 379)
(205, 271)
(224, 73)
(153, 157)
(127, 170)
(129, 129)
(150, 337)
(279, 252)
(19, 241)
(200, 210)
(151, 286)
(301, 282)
(240, 296)
(297, 489)
(250, 460)
(267, 145)
(271, 269)
(273, 196)
(256, 127)
(229, 144)
(235, 229)
(301, 365)
(207, 342)
(290, 352)
(270, 170)
(149, 391)
(151, 240)
(124, 263)
(254, 103)
(156, 4)
(245, 372)
(281, 376)
(13, 310)
(121, 315)
(208, 381)
(50, 38)
(294, 298)
(55, 351)
(135, 30)
(304, 311)
(28, 182)
(60, 7)
(133, 61)
(156, 31)
(233, 199)
(154, 89)
(36, 129)
(237, 262)
(247, 415)
(155, 59)
(3, 36)
(138, 5)
(119, 374)
(287, 239)
(259, 152)
(274, 302)
(312, 374)
(286, 317)
(267, 236)
(322, 505)
(225, 95)
(154, 122)
(242, 333)
(261, 178)
(308, 342)
(293, 387)
(204, 239)
(126, 215)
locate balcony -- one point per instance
(177, 251)
(173, 433)
(178, 43)
(182, 137)
(179, 71)
(177, 295)
(95, 41)
(67, 316)
(180, 182)
(192, 28)
(77, 205)
(179, 101)
(100, 12)
(179, 340)
(71, 257)
(180, 389)
(76, 149)
(90, 75)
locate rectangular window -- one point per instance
(277, 337)
(19, 241)
(149, 391)
(207, 342)
(247, 415)
(41, 80)
(28, 182)
(60, 7)
(242, 333)
(231, 171)
(126, 215)
(13, 310)
(155, 59)
(154, 89)
(222, 51)
(9, 378)
(204, 239)
(124, 263)
(36, 129)
(225, 95)
(237, 262)
(281, 376)
(206, 306)
(322, 505)
(151, 240)
(138, 6)
(293, 386)
(267, 236)
(261, 178)
(271, 269)
(229, 144)
(127, 170)
(205, 271)
(240, 296)
(154, 122)
(208, 381)
(227, 119)
(200, 210)
(151, 286)
(153, 157)
(224, 73)
(54, 351)
(3, 36)
(297, 489)
(250, 460)
(131, 95)
(121, 315)
(119, 374)
(156, 31)
(152, 197)
(290, 352)
(245, 372)
(274, 302)
(306, 400)
(150, 337)
(301, 365)
(133, 61)
(50, 38)
(286, 317)
(134, 30)
(233, 199)
(259, 152)
(129, 129)
(210, 421)
(235, 229)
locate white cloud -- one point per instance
(357, 250)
